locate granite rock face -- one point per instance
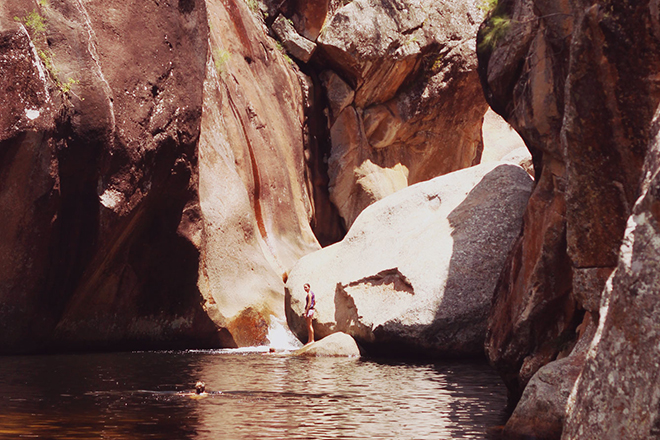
(416, 107)
(139, 144)
(416, 272)
(550, 69)
(105, 261)
(297, 45)
(577, 80)
(255, 206)
(619, 382)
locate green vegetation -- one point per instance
(66, 87)
(43, 3)
(36, 26)
(253, 5)
(438, 63)
(220, 58)
(495, 28)
(48, 62)
(488, 6)
(34, 22)
(282, 50)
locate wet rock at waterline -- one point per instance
(336, 344)
(140, 143)
(416, 272)
(417, 105)
(541, 412)
(550, 68)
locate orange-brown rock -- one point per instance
(153, 178)
(619, 381)
(416, 109)
(254, 203)
(576, 80)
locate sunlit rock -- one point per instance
(336, 344)
(417, 100)
(153, 176)
(297, 45)
(416, 272)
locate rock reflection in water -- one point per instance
(134, 395)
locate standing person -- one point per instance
(310, 303)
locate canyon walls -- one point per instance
(164, 164)
(578, 81)
(154, 187)
(97, 164)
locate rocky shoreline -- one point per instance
(172, 172)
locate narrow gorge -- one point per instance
(173, 171)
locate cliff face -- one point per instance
(404, 94)
(94, 196)
(578, 81)
(140, 152)
(164, 164)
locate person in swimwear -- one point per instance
(200, 391)
(310, 304)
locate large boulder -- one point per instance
(417, 270)
(336, 344)
(414, 107)
(577, 80)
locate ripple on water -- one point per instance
(139, 395)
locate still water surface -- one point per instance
(137, 395)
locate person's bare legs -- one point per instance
(310, 330)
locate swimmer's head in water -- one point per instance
(200, 387)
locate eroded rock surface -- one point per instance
(550, 68)
(416, 105)
(577, 81)
(619, 382)
(254, 199)
(140, 147)
(416, 272)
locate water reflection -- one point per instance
(129, 395)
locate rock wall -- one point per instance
(165, 164)
(153, 180)
(93, 255)
(578, 81)
(403, 97)
(619, 380)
